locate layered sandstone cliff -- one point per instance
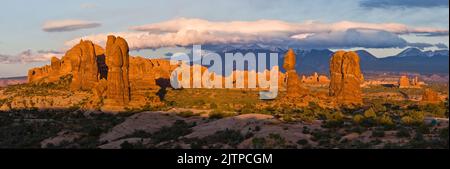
(116, 80)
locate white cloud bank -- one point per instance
(311, 34)
(28, 56)
(68, 25)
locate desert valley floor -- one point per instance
(228, 118)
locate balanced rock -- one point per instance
(294, 87)
(346, 78)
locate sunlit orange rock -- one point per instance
(117, 60)
(404, 82)
(346, 78)
(294, 87)
(430, 96)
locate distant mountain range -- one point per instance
(12, 81)
(317, 60)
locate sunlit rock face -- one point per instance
(346, 78)
(83, 59)
(117, 60)
(430, 96)
(403, 82)
(294, 87)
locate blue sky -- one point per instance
(24, 23)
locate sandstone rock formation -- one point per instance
(55, 65)
(430, 96)
(293, 83)
(147, 77)
(118, 62)
(84, 66)
(80, 61)
(403, 82)
(36, 74)
(315, 79)
(116, 80)
(415, 81)
(346, 78)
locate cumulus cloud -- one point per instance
(420, 45)
(28, 56)
(310, 34)
(403, 3)
(68, 25)
(262, 27)
(367, 38)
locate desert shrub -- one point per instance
(306, 115)
(446, 105)
(306, 130)
(435, 110)
(338, 116)
(407, 120)
(418, 136)
(247, 109)
(270, 142)
(127, 145)
(334, 120)
(179, 128)
(302, 142)
(370, 113)
(258, 143)
(413, 118)
(230, 137)
(2, 101)
(213, 106)
(34, 126)
(385, 120)
(444, 134)
(378, 106)
(278, 140)
(378, 133)
(418, 117)
(199, 102)
(139, 134)
(287, 118)
(257, 128)
(403, 132)
(425, 129)
(318, 135)
(357, 129)
(357, 119)
(186, 114)
(219, 114)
